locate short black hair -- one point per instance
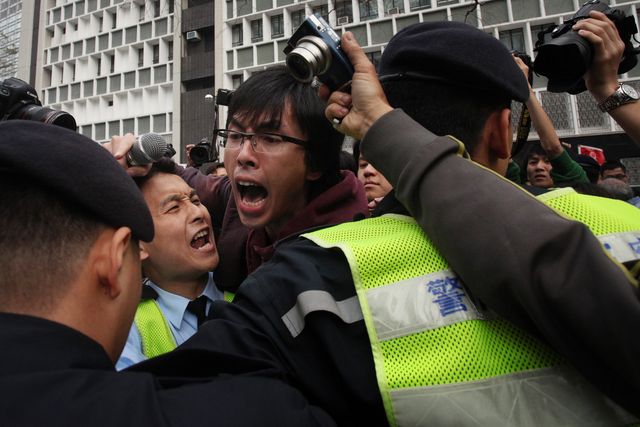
(163, 166)
(612, 164)
(532, 149)
(445, 109)
(44, 243)
(264, 96)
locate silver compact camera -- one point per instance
(314, 51)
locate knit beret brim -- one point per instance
(458, 53)
(78, 169)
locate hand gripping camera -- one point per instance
(314, 50)
(18, 100)
(564, 56)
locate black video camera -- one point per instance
(564, 56)
(19, 100)
(314, 50)
(203, 152)
(206, 151)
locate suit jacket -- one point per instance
(55, 376)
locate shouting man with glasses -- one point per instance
(282, 160)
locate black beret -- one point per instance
(78, 169)
(457, 53)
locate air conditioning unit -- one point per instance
(193, 36)
(343, 20)
(393, 11)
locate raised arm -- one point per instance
(602, 76)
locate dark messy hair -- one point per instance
(443, 108)
(612, 164)
(163, 166)
(263, 98)
(44, 242)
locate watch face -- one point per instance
(630, 90)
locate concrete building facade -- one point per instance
(255, 33)
(110, 64)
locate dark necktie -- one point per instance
(198, 307)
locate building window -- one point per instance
(156, 8)
(513, 39)
(156, 53)
(322, 10)
(236, 35)
(98, 66)
(141, 13)
(297, 16)
(419, 4)
(140, 57)
(344, 9)
(112, 63)
(256, 30)
(368, 9)
(393, 6)
(170, 51)
(277, 26)
(236, 81)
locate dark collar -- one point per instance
(31, 344)
(390, 205)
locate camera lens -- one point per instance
(299, 67)
(311, 57)
(199, 154)
(567, 57)
(46, 115)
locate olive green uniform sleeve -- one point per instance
(530, 265)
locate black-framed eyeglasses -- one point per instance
(261, 142)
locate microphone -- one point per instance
(149, 148)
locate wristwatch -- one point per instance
(625, 94)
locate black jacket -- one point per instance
(51, 375)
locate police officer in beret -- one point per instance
(367, 317)
(540, 274)
(71, 220)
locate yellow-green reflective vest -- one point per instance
(614, 222)
(155, 335)
(442, 360)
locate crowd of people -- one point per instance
(424, 289)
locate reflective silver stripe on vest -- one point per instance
(543, 397)
(307, 302)
(420, 303)
(623, 247)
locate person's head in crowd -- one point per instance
(69, 248)
(294, 156)
(617, 188)
(590, 166)
(456, 80)
(375, 184)
(220, 170)
(614, 170)
(208, 168)
(183, 250)
(538, 167)
(347, 163)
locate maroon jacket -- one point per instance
(243, 250)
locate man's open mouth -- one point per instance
(201, 239)
(250, 193)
